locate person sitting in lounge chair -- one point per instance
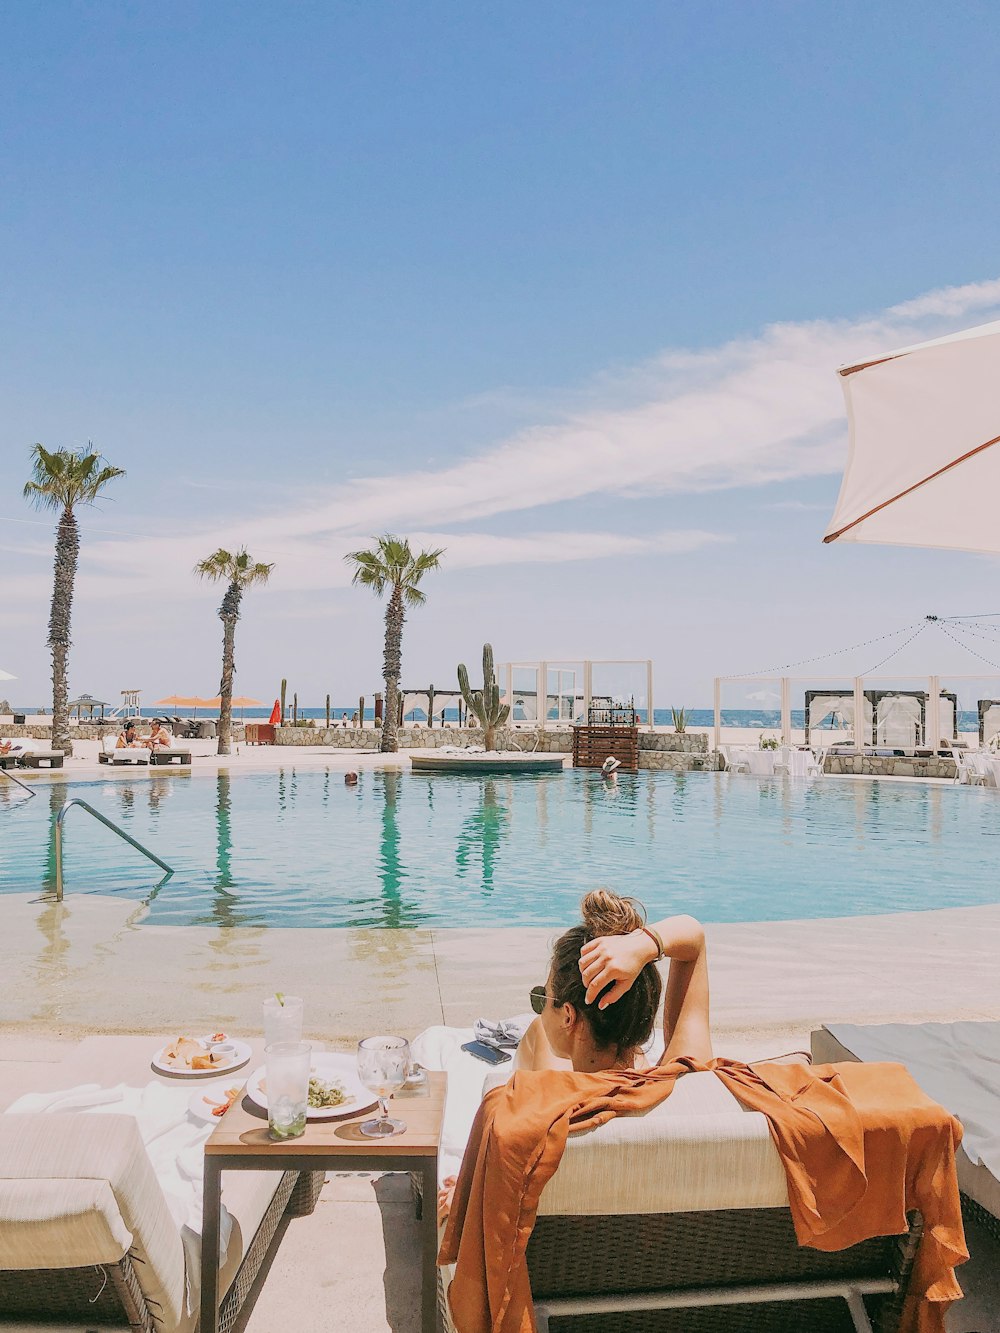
(5, 747)
(580, 1064)
(159, 738)
(600, 1003)
(127, 738)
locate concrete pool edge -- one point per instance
(84, 966)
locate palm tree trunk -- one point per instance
(228, 613)
(392, 666)
(67, 558)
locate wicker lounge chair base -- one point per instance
(730, 1271)
(109, 1295)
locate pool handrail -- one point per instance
(66, 807)
(30, 790)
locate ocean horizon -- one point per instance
(696, 718)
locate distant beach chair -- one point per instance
(31, 753)
(974, 768)
(736, 757)
(109, 754)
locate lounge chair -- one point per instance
(87, 1239)
(737, 758)
(678, 1221)
(33, 753)
(110, 754)
(958, 1064)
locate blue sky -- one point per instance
(560, 287)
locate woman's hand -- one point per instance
(614, 958)
(446, 1197)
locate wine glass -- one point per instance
(383, 1063)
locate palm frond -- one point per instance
(64, 478)
(237, 567)
(391, 563)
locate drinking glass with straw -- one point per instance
(282, 1018)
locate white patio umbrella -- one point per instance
(924, 461)
(5, 675)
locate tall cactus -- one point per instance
(485, 703)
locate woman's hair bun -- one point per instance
(605, 913)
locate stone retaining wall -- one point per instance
(886, 766)
(657, 750)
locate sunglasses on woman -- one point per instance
(538, 997)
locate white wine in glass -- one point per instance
(383, 1064)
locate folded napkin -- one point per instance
(503, 1033)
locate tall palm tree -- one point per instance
(391, 566)
(240, 572)
(62, 480)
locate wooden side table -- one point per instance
(241, 1143)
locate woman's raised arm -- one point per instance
(616, 961)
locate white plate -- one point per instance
(329, 1066)
(243, 1054)
(200, 1105)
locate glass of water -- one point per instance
(287, 1073)
(383, 1064)
(282, 1019)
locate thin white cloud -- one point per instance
(751, 411)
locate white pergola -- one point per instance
(568, 684)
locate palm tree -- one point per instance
(240, 572)
(392, 566)
(62, 480)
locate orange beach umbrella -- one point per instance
(241, 701)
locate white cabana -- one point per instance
(924, 461)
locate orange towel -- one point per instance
(861, 1146)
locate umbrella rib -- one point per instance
(832, 536)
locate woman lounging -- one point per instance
(580, 1064)
(600, 1002)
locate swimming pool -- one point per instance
(298, 848)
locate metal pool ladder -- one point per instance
(67, 806)
(30, 790)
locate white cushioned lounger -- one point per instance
(694, 1185)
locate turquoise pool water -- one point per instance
(298, 848)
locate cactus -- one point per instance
(485, 703)
(295, 710)
(328, 712)
(284, 687)
(679, 716)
